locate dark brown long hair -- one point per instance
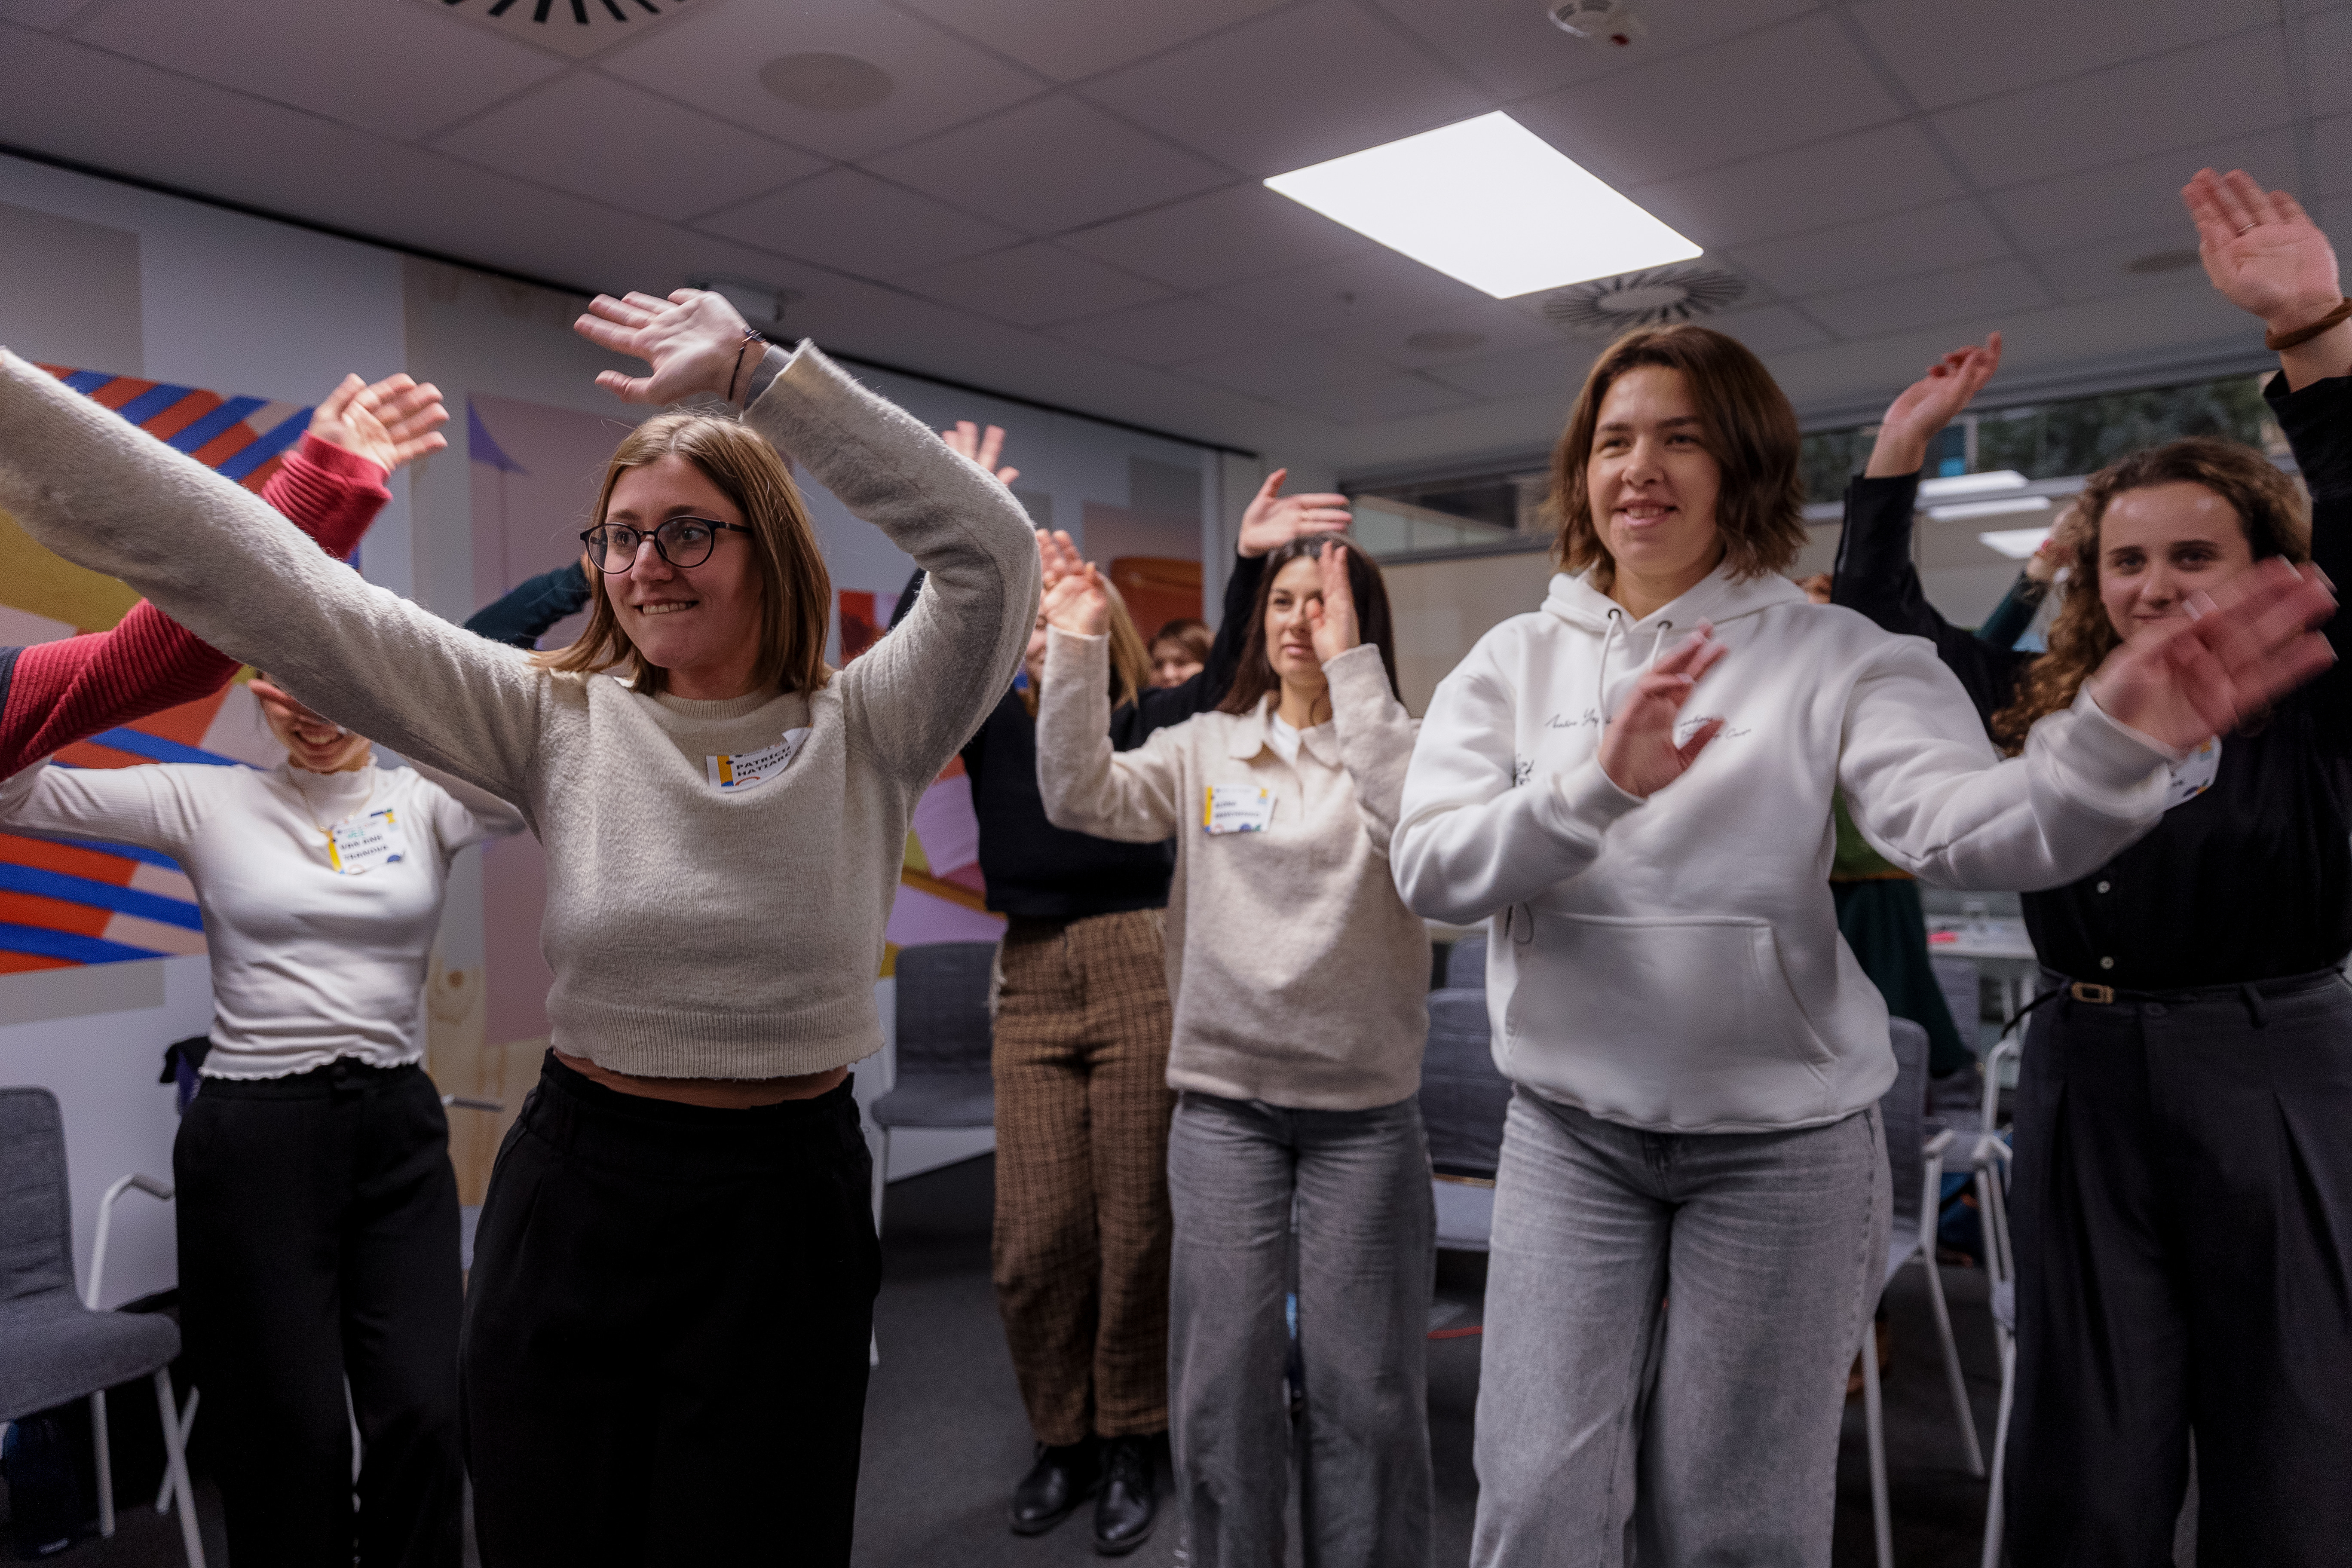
(1374, 625)
(2271, 510)
(795, 590)
(1746, 425)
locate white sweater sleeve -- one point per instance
(463, 815)
(1137, 796)
(1928, 794)
(106, 495)
(153, 805)
(1468, 842)
(1375, 738)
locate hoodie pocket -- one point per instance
(1677, 1021)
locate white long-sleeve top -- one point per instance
(1674, 963)
(310, 964)
(1299, 976)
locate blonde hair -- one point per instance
(795, 590)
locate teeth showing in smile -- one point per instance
(667, 605)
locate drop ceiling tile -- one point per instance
(397, 71)
(1239, 232)
(847, 219)
(1947, 54)
(1769, 329)
(1971, 300)
(1067, 42)
(1779, 87)
(2143, 195)
(2331, 148)
(1033, 285)
(2185, 99)
(2099, 270)
(2327, 38)
(1511, 47)
(612, 141)
(1051, 164)
(1268, 371)
(1169, 332)
(1556, 369)
(1363, 402)
(1290, 90)
(714, 60)
(1366, 287)
(1932, 239)
(1848, 178)
(41, 13)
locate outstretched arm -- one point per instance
(331, 488)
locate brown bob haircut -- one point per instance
(2270, 508)
(1374, 625)
(795, 590)
(1746, 425)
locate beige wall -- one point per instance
(1441, 607)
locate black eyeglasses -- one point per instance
(681, 541)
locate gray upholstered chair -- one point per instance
(944, 1033)
(58, 1346)
(1466, 964)
(1463, 1096)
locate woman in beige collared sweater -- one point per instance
(1300, 980)
(666, 1334)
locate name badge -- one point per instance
(2193, 774)
(1236, 809)
(359, 845)
(744, 769)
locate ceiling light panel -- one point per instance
(1970, 508)
(1955, 486)
(1490, 203)
(2017, 543)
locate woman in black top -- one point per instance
(2183, 1199)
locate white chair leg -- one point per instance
(1993, 1509)
(1875, 1424)
(105, 1463)
(187, 1424)
(1959, 1384)
(175, 1466)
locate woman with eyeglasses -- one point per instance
(664, 1350)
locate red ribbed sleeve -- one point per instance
(60, 693)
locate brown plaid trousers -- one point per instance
(1080, 1252)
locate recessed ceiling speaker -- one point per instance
(1657, 297)
(1610, 22)
(2162, 261)
(1445, 343)
(820, 81)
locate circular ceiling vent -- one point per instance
(1660, 297)
(576, 27)
(820, 81)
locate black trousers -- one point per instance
(667, 1331)
(2183, 1221)
(318, 1229)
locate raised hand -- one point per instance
(2262, 250)
(1637, 749)
(693, 340)
(1057, 557)
(1331, 618)
(2183, 681)
(1079, 602)
(1274, 520)
(967, 441)
(1929, 404)
(388, 422)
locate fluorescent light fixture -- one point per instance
(1969, 509)
(2017, 543)
(1490, 202)
(1971, 484)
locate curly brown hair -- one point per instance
(1745, 424)
(2270, 508)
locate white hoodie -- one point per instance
(1675, 963)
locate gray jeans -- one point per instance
(1670, 1320)
(1365, 1253)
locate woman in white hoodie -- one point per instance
(1698, 1057)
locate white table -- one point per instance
(1997, 945)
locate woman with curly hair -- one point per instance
(2184, 1192)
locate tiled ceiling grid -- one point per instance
(1060, 197)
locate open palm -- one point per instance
(1638, 751)
(2261, 248)
(693, 340)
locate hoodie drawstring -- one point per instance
(1600, 682)
(1658, 642)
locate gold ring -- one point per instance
(2256, 223)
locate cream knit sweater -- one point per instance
(692, 932)
(1298, 975)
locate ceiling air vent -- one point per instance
(1659, 297)
(576, 27)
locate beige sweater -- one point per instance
(1299, 977)
(692, 932)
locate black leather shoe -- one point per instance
(1063, 1477)
(1130, 1494)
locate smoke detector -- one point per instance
(1610, 22)
(1659, 297)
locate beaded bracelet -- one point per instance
(2278, 342)
(751, 336)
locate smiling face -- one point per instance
(1289, 638)
(1651, 481)
(2161, 543)
(313, 743)
(699, 623)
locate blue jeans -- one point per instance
(1670, 1319)
(1366, 1242)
